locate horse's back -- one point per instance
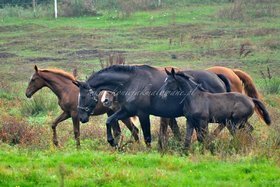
(235, 82)
(210, 81)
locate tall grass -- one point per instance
(26, 12)
(250, 9)
(41, 103)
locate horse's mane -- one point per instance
(59, 72)
(191, 79)
(121, 68)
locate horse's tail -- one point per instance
(263, 112)
(226, 81)
(249, 86)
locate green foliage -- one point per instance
(90, 168)
(41, 103)
(270, 86)
(6, 95)
(26, 12)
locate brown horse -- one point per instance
(60, 82)
(240, 82)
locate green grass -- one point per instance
(144, 37)
(89, 168)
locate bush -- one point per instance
(14, 131)
(71, 8)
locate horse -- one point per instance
(109, 99)
(201, 107)
(240, 82)
(60, 82)
(138, 89)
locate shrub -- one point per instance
(16, 131)
(71, 8)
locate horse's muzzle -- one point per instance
(84, 120)
(28, 94)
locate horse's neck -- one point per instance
(192, 91)
(113, 84)
(56, 84)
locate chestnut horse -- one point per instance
(240, 82)
(60, 82)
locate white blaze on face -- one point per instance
(31, 78)
(104, 94)
(165, 79)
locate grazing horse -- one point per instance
(239, 81)
(201, 107)
(138, 89)
(60, 82)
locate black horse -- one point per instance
(139, 90)
(201, 107)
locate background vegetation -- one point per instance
(190, 34)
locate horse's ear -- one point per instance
(173, 72)
(167, 72)
(75, 73)
(77, 83)
(36, 68)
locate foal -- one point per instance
(201, 107)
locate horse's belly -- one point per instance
(168, 111)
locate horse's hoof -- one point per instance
(55, 142)
(112, 143)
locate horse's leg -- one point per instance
(189, 133)
(175, 128)
(217, 131)
(162, 140)
(76, 127)
(146, 128)
(133, 129)
(118, 115)
(59, 119)
(202, 131)
(231, 128)
(115, 127)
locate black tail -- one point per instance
(226, 81)
(264, 113)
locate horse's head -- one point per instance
(87, 101)
(36, 83)
(176, 82)
(108, 98)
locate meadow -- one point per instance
(194, 35)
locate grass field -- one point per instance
(195, 36)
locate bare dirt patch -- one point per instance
(172, 30)
(44, 59)
(15, 28)
(93, 53)
(7, 55)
